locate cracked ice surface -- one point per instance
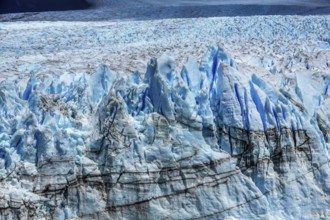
(243, 133)
(208, 141)
(278, 43)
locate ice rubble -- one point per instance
(206, 142)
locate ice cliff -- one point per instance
(207, 142)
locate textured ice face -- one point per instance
(206, 142)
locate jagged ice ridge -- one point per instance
(206, 142)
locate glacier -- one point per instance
(207, 142)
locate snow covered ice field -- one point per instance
(190, 118)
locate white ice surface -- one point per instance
(237, 133)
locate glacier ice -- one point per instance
(208, 141)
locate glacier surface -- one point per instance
(207, 142)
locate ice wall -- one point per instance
(207, 142)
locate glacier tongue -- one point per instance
(207, 142)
